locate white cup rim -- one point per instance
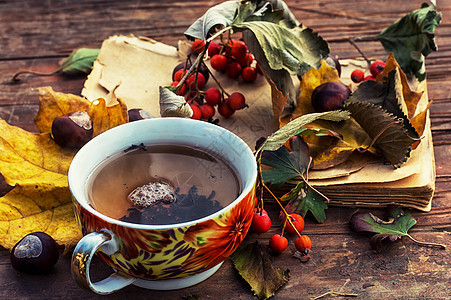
(78, 189)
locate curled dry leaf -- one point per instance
(172, 105)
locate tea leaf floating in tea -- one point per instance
(151, 193)
(187, 207)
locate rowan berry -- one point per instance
(246, 61)
(233, 69)
(260, 222)
(207, 111)
(249, 74)
(213, 96)
(298, 223)
(357, 76)
(225, 110)
(278, 243)
(236, 101)
(238, 49)
(369, 77)
(214, 48)
(303, 243)
(197, 114)
(198, 46)
(190, 82)
(219, 62)
(377, 67)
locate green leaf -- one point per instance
(302, 199)
(80, 61)
(278, 138)
(396, 225)
(295, 50)
(287, 164)
(255, 265)
(411, 38)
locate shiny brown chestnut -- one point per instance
(36, 252)
(329, 96)
(72, 130)
(136, 114)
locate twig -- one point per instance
(335, 294)
(352, 41)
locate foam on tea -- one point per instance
(162, 184)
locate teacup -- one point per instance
(160, 257)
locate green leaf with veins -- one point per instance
(80, 61)
(293, 128)
(397, 225)
(302, 199)
(255, 265)
(295, 50)
(411, 38)
(286, 164)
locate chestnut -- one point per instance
(329, 96)
(136, 114)
(72, 130)
(34, 253)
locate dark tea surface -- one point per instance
(200, 183)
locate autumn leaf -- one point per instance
(54, 104)
(173, 105)
(385, 129)
(302, 199)
(255, 265)
(409, 97)
(37, 169)
(28, 209)
(309, 81)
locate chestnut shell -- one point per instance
(330, 96)
(72, 130)
(35, 253)
(135, 114)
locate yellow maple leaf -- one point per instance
(37, 169)
(309, 81)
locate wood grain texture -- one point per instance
(37, 34)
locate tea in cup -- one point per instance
(162, 201)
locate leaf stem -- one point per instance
(283, 209)
(15, 77)
(377, 136)
(426, 243)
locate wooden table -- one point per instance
(37, 34)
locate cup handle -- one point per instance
(81, 261)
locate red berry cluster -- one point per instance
(376, 68)
(234, 59)
(261, 223)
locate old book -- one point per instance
(132, 68)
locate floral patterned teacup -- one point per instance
(162, 257)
